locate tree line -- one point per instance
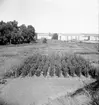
(11, 33)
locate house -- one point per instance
(92, 37)
(71, 37)
(79, 37)
(68, 37)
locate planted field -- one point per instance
(36, 72)
(53, 65)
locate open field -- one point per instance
(38, 90)
(12, 55)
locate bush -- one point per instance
(4, 102)
(44, 40)
(64, 68)
(45, 66)
(55, 36)
(94, 72)
(45, 69)
(97, 47)
(51, 70)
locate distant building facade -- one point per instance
(78, 37)
(70, 37)
(44, 35)
(92, 37)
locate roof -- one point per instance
(70, 34)
(92, 34)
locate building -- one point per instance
(44, 35)
(68, 37)
(78, 37)
(71, 37)
(92, 37)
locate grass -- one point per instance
(3, 102)
(91, 90)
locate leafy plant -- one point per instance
(53, 65)
(44, 40)
(55, 36)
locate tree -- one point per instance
(3, 33)
(11, 33)
(23, 32)
(55, 36)
(6, 30)
(28, 33)
(31, 32)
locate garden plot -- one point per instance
(32, 90)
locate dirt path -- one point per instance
(39, 90)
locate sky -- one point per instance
(62, 16)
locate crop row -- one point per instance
(54, 65)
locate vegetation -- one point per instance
(44, 40)
(54, 65)
(97, 47)
(92, 92)
(11, 33)
(55, 36)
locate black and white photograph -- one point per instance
(49, 52)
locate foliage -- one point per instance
(11, 33)
(44, 40)
(54, 65)
(4, 102)
(97, 47)
(55, 36)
